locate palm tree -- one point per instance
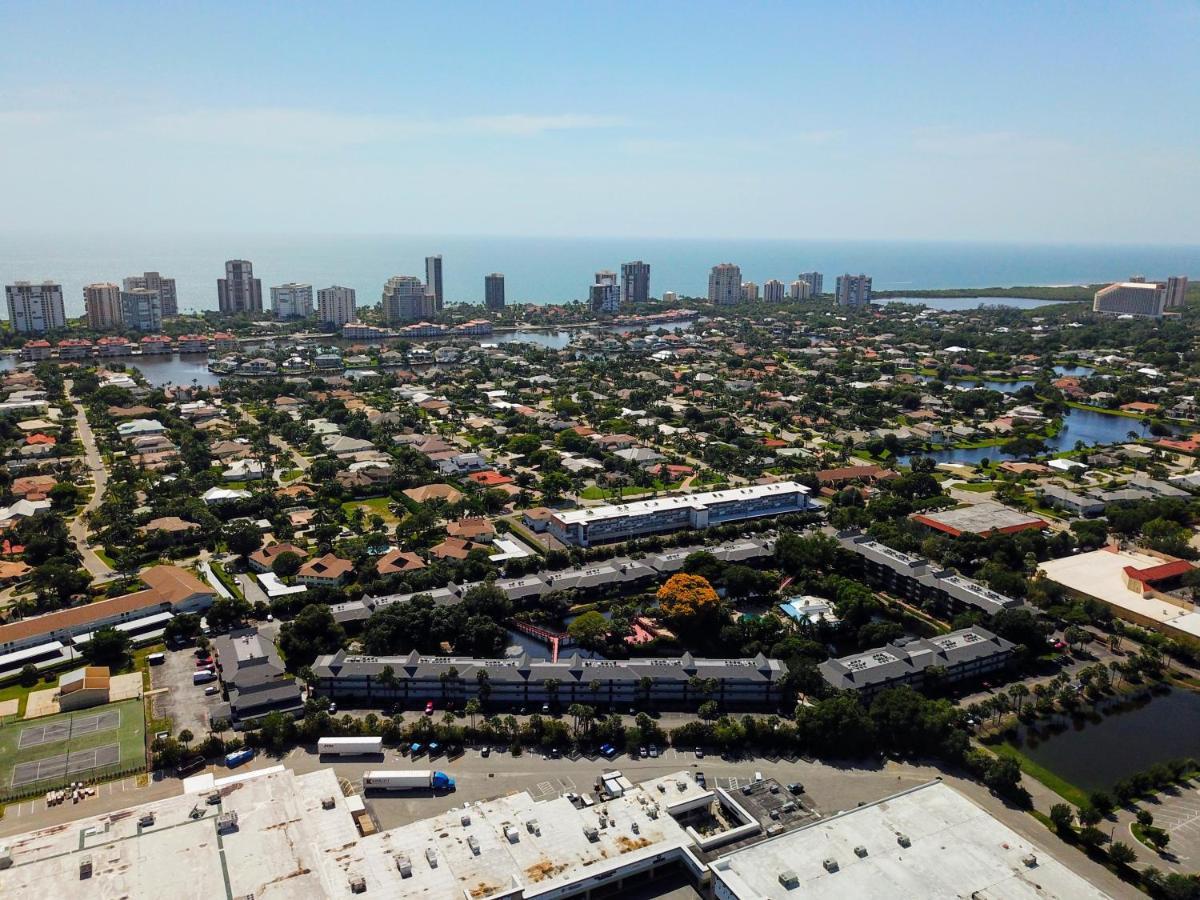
(1018, 692)
(472, 709)
(1117, 671)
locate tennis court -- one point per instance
(64, 764)
(83, 745)
(65, 729)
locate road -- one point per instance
(95, 566)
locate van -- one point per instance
(758, 776)
(156, 659)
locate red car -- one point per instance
(201, 663)
(1059, 645)
(429, 708)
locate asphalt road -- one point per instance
(78, 530)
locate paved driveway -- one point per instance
(184, 703)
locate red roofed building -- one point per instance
(1157, 579)
(490, 478)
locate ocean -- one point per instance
(550, 270)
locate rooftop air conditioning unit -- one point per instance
(830, 864)
(431, 857)
(860, 851)
(328, 803)
(789, 879)
(903, 840)
(405, 866)
(85, 867)
(358, 885)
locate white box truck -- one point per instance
(349, 746)
(407, 780)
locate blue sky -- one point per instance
(1071, 122)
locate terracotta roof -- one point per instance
(395, 561)
(1161, 572)
(327, 566)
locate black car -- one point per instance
(796, 788)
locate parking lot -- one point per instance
(1179, 815)
(184, 703)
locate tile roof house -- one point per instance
(325, 571)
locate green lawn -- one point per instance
(1059, 785)
(595, 492)
(978, 487)
(130, 734)
(374, 506)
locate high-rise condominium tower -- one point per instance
(773, 291)
(335, 305)
(854, 290)
(406, 300)
(725, 284)
(292, 301)
(239, 291)
(493, 291)
(141, 310)
(635, 282)
(605, 294)
(35, 308)
(816, 282)
(102, 305)
(152, 281)
(433, 280)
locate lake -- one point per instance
(558, 339)
(1085, 425)
(180, 370)
(1094, 753)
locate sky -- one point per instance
(1046, 122)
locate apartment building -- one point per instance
(854, 290)
(141, 310)
(336, 305)
(605, 294)
(405, 300)
(153, 281)
(493, 291)
(1131, 298)
(239, 292)
(102, 306)
(433, 281)
(725, 285)
(635, 282)
(604, 524)
(35, 308)
(917, 581)
(815, 282)
(668, 683)
(292, 301)
(967, 653)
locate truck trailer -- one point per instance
(407, 780)
(349, 746)
(237, 757)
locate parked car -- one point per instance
(701, 780)
(485, 752)
(795, 788)
(1060, 645)
(545, 709)
(699, 753)
(429, 708)
(555, 753)
(643, 752)
(653, 752)
(608, 750)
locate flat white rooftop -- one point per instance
(687, 501)
(1100, 574)
(955, 849)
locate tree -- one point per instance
(1062, 819)
(472, 708)
(29, 675)
(286, 564)
(1121, 853)
(186, 737)
(689, 602)
(589, 630)
(311, 633)
(108, 647)
(242, 538)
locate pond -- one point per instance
(178, 370)
(519, 643)
(1096, 752)
(558, 339)
(1085, 425)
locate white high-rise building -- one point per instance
(799, 290)
(605, 293)
(773, 291)
(292, 301)
(854, 290)
(239, 291)
(102, 306)
(816, 282)
(725, 285)
(35, 308)
(635, 282)
(336, 305)
(749, 292)
(152, 281)
(1131, 298)
(406, 300)
(141, 310)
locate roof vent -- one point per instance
(465, 819)
(431, 857)
(358, 885)
(830, 864)
(591, 833)
(85, 867)
(903, 840)
(405, 866)
(789, 879)
(1030, 861)
(473, 843)
(860, 851)
(328, 803)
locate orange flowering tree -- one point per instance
(689, 601)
